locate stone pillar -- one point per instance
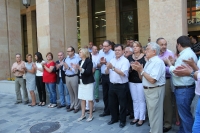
(112, 20)
(168, 19)
(31, 31)
(143, 21)
(70, 24)
(85, 22)
(50, 26)
(10, 37)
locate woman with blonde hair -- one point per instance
(30, 70)
(136, 87)
(85, 89)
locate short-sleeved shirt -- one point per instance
(185, 54)
(133, 75)
(122, 64)
(18, 67)
(155, 67)
(49, 77)
(39, 65)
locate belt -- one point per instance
(118, 83)
(167, 77)
(105, 74)
(97, 69)
(145, 87)
(184, 87)
(72, 75)
(19, 76)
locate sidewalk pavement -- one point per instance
(20, 118)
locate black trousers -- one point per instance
(118, 97)
(41, 88)
(129, 107)
(105, 86)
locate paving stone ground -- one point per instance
(20, 118)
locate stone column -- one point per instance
(112, 20)
(143, 21)
(168, 19)
(31, 31)
(50, 26)
(85, 22)
(10, 35)
(70, 24)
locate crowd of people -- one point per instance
(134, 79)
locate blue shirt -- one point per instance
(108, 56)
(75, 60)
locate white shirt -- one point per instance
(185, 80)
(95, 59)
(155, 67)
(39, 65)
(108, 56)
(122, 64)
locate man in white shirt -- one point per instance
(95, 58)
(105, 56)
(118, 69)
(184, 85)
(153, 80)
(168, 111)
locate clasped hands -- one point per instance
(136, 66)
(185, 70)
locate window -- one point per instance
(193, 12)
(128, 20)
(24, 37)
(99, 21)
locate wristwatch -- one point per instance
(192, 74)
(142, 73)
(113, 68)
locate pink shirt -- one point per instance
(18, 67)
(166, 55)
(197, 89)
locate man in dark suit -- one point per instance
(61, 82)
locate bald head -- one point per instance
(94, 50)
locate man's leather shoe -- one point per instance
(103, 114)
(97, 100)
(121, 125)
(18, 102)
(166, 129)
(68, 110)
(60, 106)
(111, 122)
(76, 110)
(131, 117)
(68, 107)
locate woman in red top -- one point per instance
(49, 77)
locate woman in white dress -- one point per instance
(30, 78)
(85, 89)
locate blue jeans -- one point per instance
(51, 88)
(184, 97)
(61, 88)
(196, 126)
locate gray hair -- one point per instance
(154, 46)
(130, 49)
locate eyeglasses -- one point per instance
(69, 51)
(106, 46)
